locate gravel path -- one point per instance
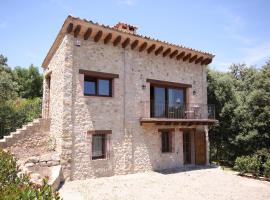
(210, 184)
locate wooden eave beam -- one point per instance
(206, 61)
(151, 48)
(117, 40)
(134, 44)
(70, 28)
(87, 33)
(98, 36)
(166, 52)
(126, 42)
(180, 55)
(77, 30)
(187, 57)
(199, 60)
(174, 53)
(193, 58)
(108, 38)
(159, 50)
(143, 46)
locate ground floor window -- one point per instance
(166, 141)
(98, 146)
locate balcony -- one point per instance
(168, 113)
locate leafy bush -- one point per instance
(8, 170)
(254, 165)
(266, 166)
(248, 164)
(241, 164)
(13, 186)
(15, 113)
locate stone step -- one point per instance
(3, 140)
(32, 127)
(12, 134)
(9, 139)
(37, 120)
(8, 136)
(3, 143)
(18, 135)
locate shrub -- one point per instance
(8, 170)
(266, 166)
(254, 165)
(15, 113)
(248, 164)
(241, 164)
(14, 187)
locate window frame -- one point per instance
(96, 81)
(168, 147)
(104, 146)
(98, 75)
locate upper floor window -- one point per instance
(98, 83)
(97, 86)
(167, 99)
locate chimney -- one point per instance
(125, 27)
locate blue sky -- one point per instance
(236, 31)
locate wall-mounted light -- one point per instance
(78, 43)
(194, 92)
(143, 87)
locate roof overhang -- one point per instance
(88, 30)
(182, 122)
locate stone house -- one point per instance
(123, 103)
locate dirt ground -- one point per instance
(196, 184)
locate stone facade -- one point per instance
(132, 147)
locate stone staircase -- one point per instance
(30, 136)
(30, 145)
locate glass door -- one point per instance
(159, 102)
(167, 102)
(175, 102)
(187, 147)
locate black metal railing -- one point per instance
(178, 110)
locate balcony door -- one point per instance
(167, 102)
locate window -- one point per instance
(98, 146)
(166, 141)
(167, 102)
(97, 87)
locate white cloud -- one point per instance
(232, 33)
(251, 50)
(256, 54)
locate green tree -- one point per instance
(30, 81)
(242, 100)
(3, 60)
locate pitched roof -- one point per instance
(85, 29)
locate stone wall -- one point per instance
(60, 103)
